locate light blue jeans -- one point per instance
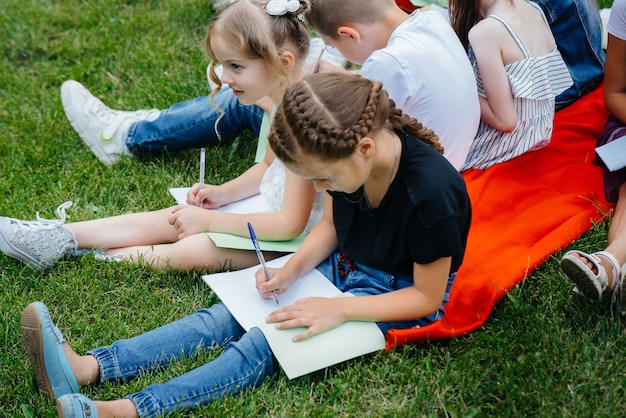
(247, 358)
(191, 124)
(577, 29)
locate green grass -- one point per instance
(542, 352)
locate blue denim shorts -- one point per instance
(360, 280)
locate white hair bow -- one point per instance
(281, 7)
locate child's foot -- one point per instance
(44, 346)
(101, 129)
(589, 274)
(37, 243)
(75, 405)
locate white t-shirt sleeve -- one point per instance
(617, 20)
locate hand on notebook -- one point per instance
(316, 314)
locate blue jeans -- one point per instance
(247, 358)
(191, 124)
(246, 361)
(360, 280)
(577, 29)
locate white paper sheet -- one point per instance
(237, 290)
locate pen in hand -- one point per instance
(261, 258)
(202, 165)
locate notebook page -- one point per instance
(237, 290)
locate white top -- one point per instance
(273, 186)
(617, 20)
(535, 82)
(425, 70)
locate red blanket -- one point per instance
(524, 210)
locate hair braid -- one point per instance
(414, 128)
(328, 114)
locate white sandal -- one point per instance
(594, 286)
(621, 297)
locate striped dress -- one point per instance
(535, 82)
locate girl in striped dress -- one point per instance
(519, 72)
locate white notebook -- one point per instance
(237, 290)
(613, 154)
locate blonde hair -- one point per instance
(246, 27)
(327, 114)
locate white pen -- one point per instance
(261, 258)
(202, 165)
(319, 58)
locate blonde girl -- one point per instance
(261, 54)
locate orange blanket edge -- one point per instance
(525, 210)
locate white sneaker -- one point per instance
(102, 129)
(218, 71)
(37, 243)
(221, 4)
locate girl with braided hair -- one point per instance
(396, 211)
(396, 214)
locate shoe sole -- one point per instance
(94, 148)
(10, 250)
(31, 333)
(585, 285)
(622, 297)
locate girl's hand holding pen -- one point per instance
(265, 287)
(210, 196)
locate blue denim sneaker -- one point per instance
(43, 342)
(76, 405)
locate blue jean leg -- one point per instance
(191, 124)
(361, 280)
(577, 29)
(245, 362)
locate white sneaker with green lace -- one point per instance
(102, 129)
(37, 243)
(221, 4)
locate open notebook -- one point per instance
(237, 290)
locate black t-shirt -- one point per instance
(424, 216)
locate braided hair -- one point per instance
(327, 114)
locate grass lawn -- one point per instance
(543, 352)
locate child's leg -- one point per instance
(191, 124)
(125, 230)
(161, 346)
(197, 252)
(243, 364)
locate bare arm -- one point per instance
(273, 226)
(320, 314)
(417, 301)
(497, 109)
(615, 78)
(318, 245)
(241, 187)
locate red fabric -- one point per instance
(406, 5)
(525, 210)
